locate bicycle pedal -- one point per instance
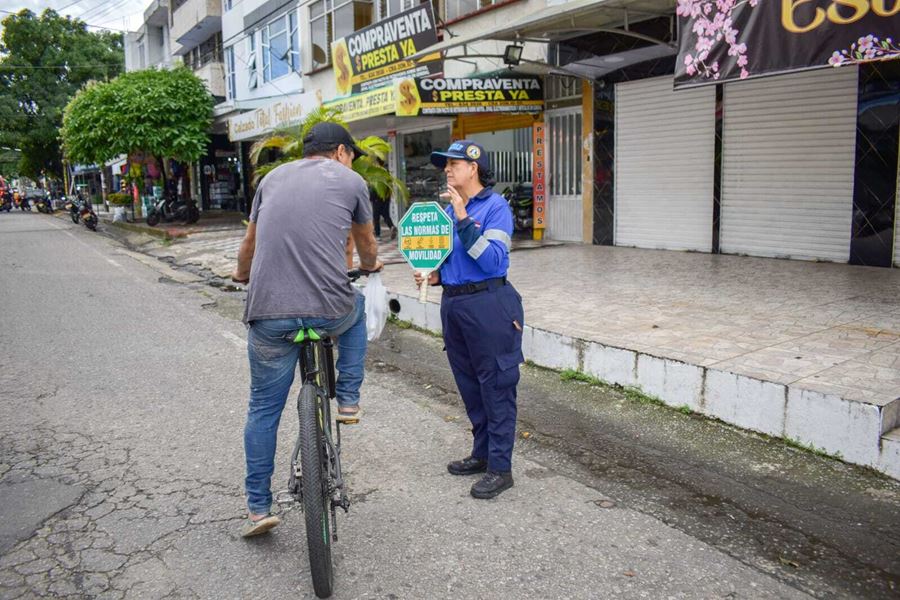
(284, 498)
(348, 421)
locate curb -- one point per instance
(854, 432)
(160, 233)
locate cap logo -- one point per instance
(473, 152)
(455, 147)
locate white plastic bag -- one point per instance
(376, 306)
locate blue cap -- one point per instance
(463, 150)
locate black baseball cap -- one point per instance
(328, 135)
(463, 150)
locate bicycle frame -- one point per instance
(316, 363)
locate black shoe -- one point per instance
(492, 484)
(467, 466)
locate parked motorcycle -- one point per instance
(88, 216)
(44, 205)
(74, 208)
(169, 209)
(23, 203)
(521, 203)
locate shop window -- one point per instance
(333, 19)
(252, 79)
(424, 181)
(389, 8)
(275, 49)
(229, 73)
(450, 10)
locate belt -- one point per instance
(473, 288)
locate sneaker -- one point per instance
(492, 485)
(348, 415)
(467, 466)
(256, 527)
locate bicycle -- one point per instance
(316, 482)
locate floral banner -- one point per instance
(736, 39)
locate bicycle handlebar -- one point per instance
(357, 273)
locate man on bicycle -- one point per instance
(293, 257)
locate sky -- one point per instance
(112, 14)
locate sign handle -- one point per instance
(423, 287)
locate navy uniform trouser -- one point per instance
(483, 336)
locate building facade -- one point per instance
(799, 165)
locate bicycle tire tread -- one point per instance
(315, 505)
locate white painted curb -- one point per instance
(856, 432)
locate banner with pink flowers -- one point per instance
(722, 40)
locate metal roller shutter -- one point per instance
(897, 223)
(788, 145)
(664, 166)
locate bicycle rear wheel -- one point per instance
(316, 499)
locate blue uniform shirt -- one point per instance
(481, 242)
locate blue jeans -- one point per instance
(273, 362)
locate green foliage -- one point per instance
(44, 60)
(165, 113)
(286, 145)
(117, 199)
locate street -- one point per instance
(124, 385)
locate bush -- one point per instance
(117, 199)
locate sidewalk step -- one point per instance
(889, 461)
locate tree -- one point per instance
(164, 113)
(45, 61)
(284, 146)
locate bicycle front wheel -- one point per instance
(316, 499)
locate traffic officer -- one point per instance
(481, 314)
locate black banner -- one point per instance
(372, 57)
(737, 39)
(507, 94)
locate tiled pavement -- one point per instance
(826, 326)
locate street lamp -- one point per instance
(513, 54)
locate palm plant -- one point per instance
(286, 145)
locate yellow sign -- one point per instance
(365, 105)
(425, 242)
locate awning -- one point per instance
(561, 21)
(571, 19)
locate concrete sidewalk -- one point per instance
(803, 351)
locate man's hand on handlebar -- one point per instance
(372, 269)
(238, 278)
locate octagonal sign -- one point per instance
(425, 236)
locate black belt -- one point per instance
(472, 288)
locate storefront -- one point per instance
(220, 176)
(226, 170)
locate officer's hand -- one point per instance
(434, 278)
(456, 201)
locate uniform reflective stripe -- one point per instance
(499, 234)
(478, 248)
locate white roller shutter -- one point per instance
(664, 165)
(788, 145)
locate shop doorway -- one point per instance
(423, 179)
(564, 178)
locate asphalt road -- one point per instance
(123, 386)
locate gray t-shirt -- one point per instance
(302, 212)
